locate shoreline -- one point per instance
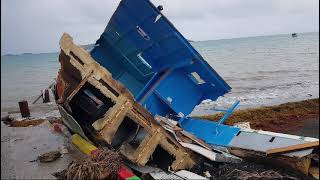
(46, 107)
(298, 118)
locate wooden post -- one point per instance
(46, 97)
(24, 109)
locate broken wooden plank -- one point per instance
(179, 130)
(197, 140)
(292, 148)
(211, 155)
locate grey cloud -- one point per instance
(36, 25)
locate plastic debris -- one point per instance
(83, 145)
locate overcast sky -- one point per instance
(37, 25)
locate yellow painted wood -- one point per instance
(83, 145)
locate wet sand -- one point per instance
(19, 145)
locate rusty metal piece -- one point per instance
(24, 109)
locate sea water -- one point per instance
(263, 70)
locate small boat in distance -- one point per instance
(294, 35)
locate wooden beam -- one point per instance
(293, 148)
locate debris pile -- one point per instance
(104, 165)
(133, 92)
(102, 111)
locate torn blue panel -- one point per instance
(211, 132)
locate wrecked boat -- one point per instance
(135, 89)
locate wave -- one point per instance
(246, 89)
(276, 71)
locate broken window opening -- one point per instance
(161, 158)
(129, 132)
(89, 105)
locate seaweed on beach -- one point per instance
(252, 171)
(101, 166)
(279, 118)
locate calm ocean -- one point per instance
(261, 71)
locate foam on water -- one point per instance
(264, 70)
